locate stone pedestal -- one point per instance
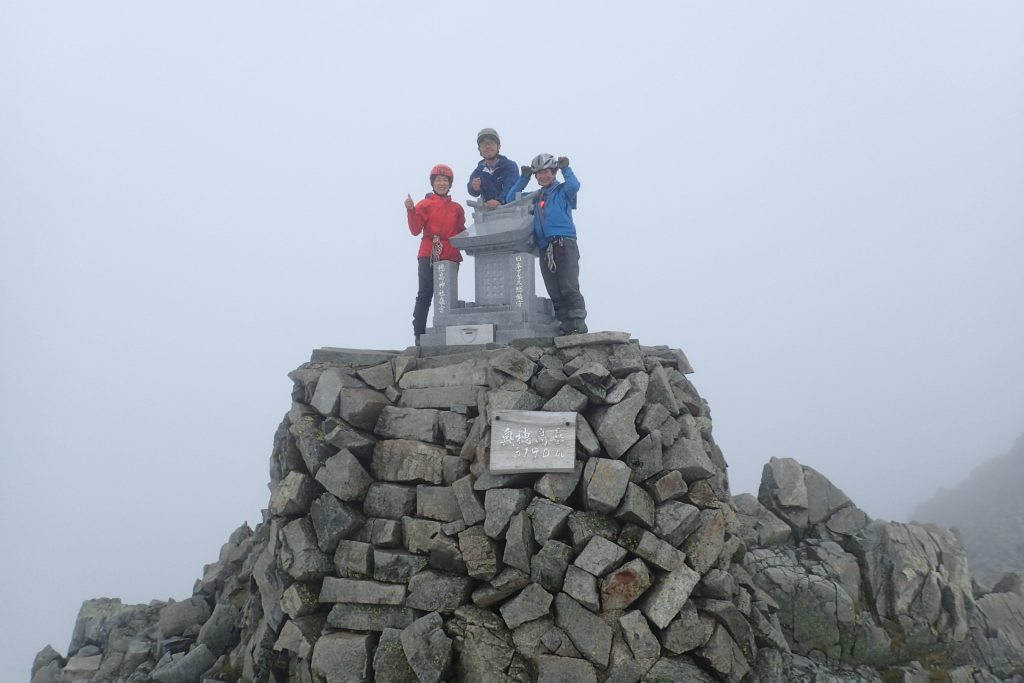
(502, 246)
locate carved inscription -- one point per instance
(532, 441)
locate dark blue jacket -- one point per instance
(494, 184)
(554, 218)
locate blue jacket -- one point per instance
(494, 185)
(554, 217)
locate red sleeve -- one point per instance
(417, 219)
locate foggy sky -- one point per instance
(820, 203)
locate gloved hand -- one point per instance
(563, 162)
(525, 170)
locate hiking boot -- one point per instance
(579, 326)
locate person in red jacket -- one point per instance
(437, 218)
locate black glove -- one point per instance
(563, 162)
(525, 170)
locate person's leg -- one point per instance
(569, 285)
(551, 284)
(424, 295)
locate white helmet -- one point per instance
(542, 161)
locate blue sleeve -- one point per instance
(516, 187)
(508, 178)
(572, 184)
(469, 183)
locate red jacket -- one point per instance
(437, 215)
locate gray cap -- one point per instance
(487, 132)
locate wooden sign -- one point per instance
(532, 441)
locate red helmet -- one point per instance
(441, 169)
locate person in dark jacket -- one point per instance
(437, 218)
(555, 233)
(495, 173)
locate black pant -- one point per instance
(563, 284)
(424, 294)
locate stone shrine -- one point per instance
(502, 245)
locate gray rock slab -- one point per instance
(549, 519)
(344, 476)
(335, 589)
(615, 425)
(549, 381)
(652, 549)
(216, 633)
(673, 670)
(676, 521)
(585, 525)
(581, 586)
(588, 632)
(591, 339)
(396, 566)
(185, 670)
(552, 669)
(434, 591)
(559, 486)
(417, 424)
(361, 407)
(668, 486)
(292, 497)
(437, 502)
(178, 617)
(344, 657)
(300, 635)
(668, 595)
(519, 546)
(623, 586)
(636, 631)
(446, 555)
(645, 457)
(420, 535)
(512, 362)
(604, 483)
(567, 400)
(625, 359)
(469, 504)
(299, 600)
(485, 481)
(500, 505)
(548, 566)
(301, 556)
(329, 386)
(705, 545)
(533, 602)
(357, 358)
(660, 391)
(402, 460)
(480, 553)
(600, 556)
(469, 372)
(380, 376)
(637, 507)
(444, 398)
(506, 584)
(454, 428)
(723, 655)
(382, 533)
(757, 525)
(344, 436)
(353, 617)
(333, 521)
(389, 501)
(688, 456)
(389, 662)
(686, 632)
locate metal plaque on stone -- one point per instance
(532, 441)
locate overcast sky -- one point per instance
(820, 203)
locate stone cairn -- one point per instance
(389, 552)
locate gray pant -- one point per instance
(563, 284)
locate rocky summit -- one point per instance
(389, 552)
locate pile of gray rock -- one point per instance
(389, 552)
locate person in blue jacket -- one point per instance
(555, 232)
(495, 173)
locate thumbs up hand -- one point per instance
(409, 206)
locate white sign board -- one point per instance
(532, 441)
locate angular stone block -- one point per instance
(434, 591)
(334, 589)
(506, 584)
(652, 549)
(551, 669)
(663, 602)
(519, 542)
(548, 519)
(417, 424)
(645, 457)
(333, 521)
(389, 662)
(600, 556)
(500, 505)
(558, 486)
(480, 553)
(604, 484)
(637, 507)
(581, 586)
(427, 649)
(588, 632)
(396, 566)
(676, 521)
(615, 425)
(638, 636)
(344, 476)
(437, 502)
(567, 400)
(469, 504)
(390, 501)
(301, 556)
(622, 587)
(293, 495)
(668, 486)
(533, 602)
(548, 566)
(400, 460)
(420, 535)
